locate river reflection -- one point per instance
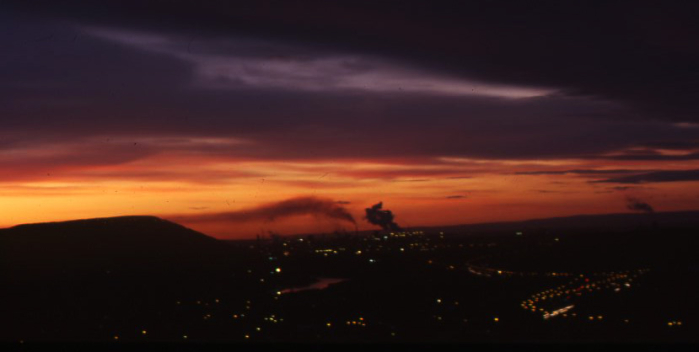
(322, 283)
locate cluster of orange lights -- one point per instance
(358, 322)
(576, 287)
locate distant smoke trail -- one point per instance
(636, 204)
(270, 212)
(383, 218)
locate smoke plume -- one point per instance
(636, 204)
(270, 212)
(383, 218)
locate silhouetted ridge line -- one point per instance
(136, 223)
(135, 244)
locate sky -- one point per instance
(239, 119)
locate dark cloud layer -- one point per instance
(659, 176)
(657, 157)
(436, 80)
(579, 172)
(641, 53)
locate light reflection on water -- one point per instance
(322, 283)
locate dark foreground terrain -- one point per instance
(143, 279)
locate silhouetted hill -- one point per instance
(130, 243)
(83, 279)
(604, 222)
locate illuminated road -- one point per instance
(556, 301)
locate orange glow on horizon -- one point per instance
(422, 193)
